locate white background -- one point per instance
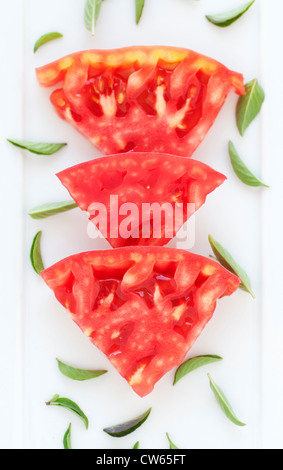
(35, 329)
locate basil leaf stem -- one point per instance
(67, 438)
(192, 364)
(228, 17)
(35, 254)
(45, 39)
(79, 374)
(224, 403)
(92, 10)
(226, 259)
(37, 147)
(121, 430)
(48, 210)
(139, 9)
(249, 105)
(241, 170)
(70, 405)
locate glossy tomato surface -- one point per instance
(143, 307)
(146, 197)
(141, 99)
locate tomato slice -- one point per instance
(142, 307)
(140, 99)
(129, 184)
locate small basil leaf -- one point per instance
(193, 364)
(70, 405)
(47, 210)
(79, 374)
(139, 9)
(228, 17)
(249, 105)
(224, 403)
(37, 147)
(45, 39)
(121, 430)
(226, 259)
(172, 445)
(35, 254)
(137, 445)
(67, 438)
(241, 170)
(92, 10)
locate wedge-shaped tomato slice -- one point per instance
(145, 197)
(141, 99)
(143, 307)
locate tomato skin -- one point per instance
(140, 99)
(115, 296)
(142, 179)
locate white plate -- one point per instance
(34, 327)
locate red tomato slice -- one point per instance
(140, 99)
(145, 179)
(143, 307)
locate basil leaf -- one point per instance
(121, 430)
(224, 403)
(137, 445)
(45, 39)
(226, 259)
(67, 438)
(172, 445)
(249, 105)
(228, 17)
(92, 10)
(70, 405)
(47, 210)
(79, 374)
(35, 254)
(139, 9)
(241, 170)
(193, 364)
(37, 147)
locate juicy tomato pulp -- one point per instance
(142, 98)
(143, 179)
(143, 307)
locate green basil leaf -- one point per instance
(45, 39)
(67, 438)
(228, 17)
(224, 403)
(70, 405)
(35, 254)
(172, 445)
(92, 10)
(47, 210)
(193, 364)
(137, 445)
(37, 147)
(241, 170)
(79, 374)
(139, 9)
(249, 105)
(226, 259)
(121, 430)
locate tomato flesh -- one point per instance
(141, 178)
(141, 98)
(143, 307)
